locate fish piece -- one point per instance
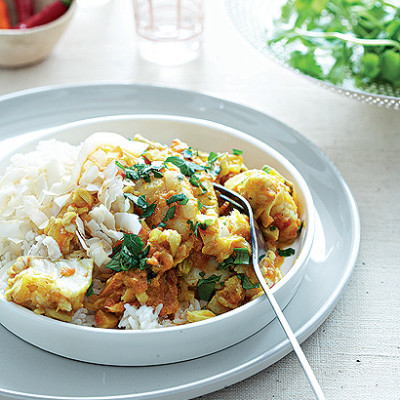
(53, 288)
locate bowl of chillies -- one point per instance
(29, 29)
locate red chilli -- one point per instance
(48, 14)
(25, 9)
(4, 16)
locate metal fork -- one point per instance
(258, 247)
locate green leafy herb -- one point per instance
(89, 291)
(273, 228)
(196, 182)
(169, 215)
(187, 168)
(242, 256)
(237, 152)
(181, 198)
(131, 254)
(212, 168)
(300, 228)
(246, 283)
(199, 225)
(148, 209)
(286, 252)
(188, 153)
(339, 39)
(266, 169)
(205, 287)
(212, 157)
(141, 171)
(204, 225)
(239, 256)
(201, 205)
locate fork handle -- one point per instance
(293, 340)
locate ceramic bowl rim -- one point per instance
(299, 262)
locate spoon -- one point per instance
(258, 247)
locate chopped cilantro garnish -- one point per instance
(187, 168)
(205, 287)
(213, 169)
(286, 252)
(242, 256)
(202, 225)
(132, 254)
(201, 205)
(191, 224)
(196, 182)
(239, 256)
(237, 152)
(300, 228)
(89, 291)
(181, 198)
(212, 157)
(188, 153)
(246, 283)
(169, 215)
(272, 228)
(148, 209)
(141, 171)
(266, 169)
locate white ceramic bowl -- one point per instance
(23, 47)
(172, 344)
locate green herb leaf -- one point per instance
(286, 252)
(212, 157)
(141, 171)
(132, 254)
(181, 198)
(148, 209)
(306, 62)
(239, 256)
(266, 169)
(300, 228)
(242, 256)
(187, 168)
(246, 283)
(205, 287)
(188, 153)
(89, 291)
(170, 214)
(237, 152)
(204, 225)
(370, 63)
(391, 66)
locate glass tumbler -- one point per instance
(169, 32)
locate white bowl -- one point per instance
(23, 47)
(172, 344)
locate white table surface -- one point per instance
(356, 352)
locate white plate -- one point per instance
(27, 372)
(157, 346)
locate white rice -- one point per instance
(35, 187)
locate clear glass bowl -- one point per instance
(254, 18)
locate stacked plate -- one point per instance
(29, 372)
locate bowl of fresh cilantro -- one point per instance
(352, 46)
